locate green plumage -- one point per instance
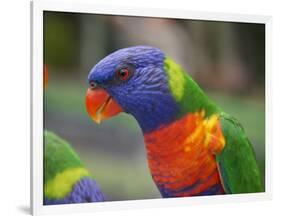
(237, 162)
(66, 180)
(193, 98)
(58, 156)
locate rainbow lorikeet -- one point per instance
(193, 147)
(65, 178)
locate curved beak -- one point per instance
(100, 105)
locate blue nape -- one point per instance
(84, 191)
(145, 95)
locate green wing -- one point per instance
(237, 163)
(62, 167)
(58, 156)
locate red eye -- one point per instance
(123, 74)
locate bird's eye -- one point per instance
(93, 85)
(123, 74)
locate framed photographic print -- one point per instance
(142, 107)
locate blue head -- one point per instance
(135, 78)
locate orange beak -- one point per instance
(100, 105)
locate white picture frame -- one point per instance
(37, 9)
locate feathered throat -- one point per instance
(181, 156)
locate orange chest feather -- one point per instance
(181, 154)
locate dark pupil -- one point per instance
(123, 72)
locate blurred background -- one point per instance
(226, 59)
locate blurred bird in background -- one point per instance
(193, 147)
(66, 180)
